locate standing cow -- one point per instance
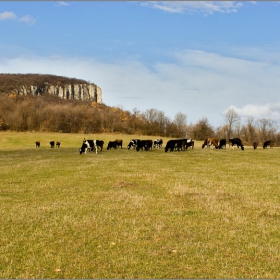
(37, 144)
(144, 145)
(211, 142)
(52, 144)
(158, 143)
(132, 144)
(255, 145)
(222, 144)
(267, 143)
(237, 142)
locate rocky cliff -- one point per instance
(66, 91)
(38, 84)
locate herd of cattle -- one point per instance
(147, 145)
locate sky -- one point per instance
(198, 58)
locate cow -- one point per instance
(255, 145)
(58, 144)
(190, 143)
(181, 144)
(237, 142)
(171, 145)
(112, 144)
(144, 144)
(94, 145)
(211, 142)
(158, 143)
(132, 143)
(52, 144)
(119, 142)
(37, 144)
(222, 144)
(85, 147)
(267, 143)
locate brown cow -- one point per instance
(211, 142)
(255, 145)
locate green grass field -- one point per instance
(126, 214)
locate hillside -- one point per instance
(8, 82)
(63, 87)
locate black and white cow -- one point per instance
(158, 143)
(37, 144)
(85, 147)
(92, 145)
(58, 144)
(237, 142)
(132, 143)
(190, 143)
(52, 144)
(144, 145)
(267, 143)
(222, 144)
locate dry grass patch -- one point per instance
(127, 214)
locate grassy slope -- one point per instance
(126, 214)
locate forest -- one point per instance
(49, 113)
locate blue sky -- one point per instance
(197, 58)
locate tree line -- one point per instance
(51, 114)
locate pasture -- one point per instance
(125, 214)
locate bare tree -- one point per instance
(232, 120)
(180, 122)
(201, 130)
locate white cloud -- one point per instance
(197, 83)
(205, 7)
(10, 15)
(258, 111)
(28, 19)
(7, 16)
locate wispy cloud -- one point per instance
(12, 16)
(7, 16)
(205, 7)
(196, 83)
(61, 3)
(28, 19)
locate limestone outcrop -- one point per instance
(67, 91)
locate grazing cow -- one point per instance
(85, 147)
(115, 144)
(158, 143)
(222, 144)
(173, 144)
(237, 142)
(119, 142)
(211, 142)
(267, 143)
(190, 143)
(112, 144)
(37, 144)
(144, 144)
(94, 145)
(132, 143)
(52, 144)
(255, 145)
(58, 144)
